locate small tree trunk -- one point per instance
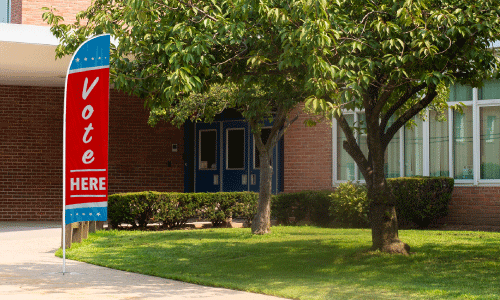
(262, 221)
(384, 222)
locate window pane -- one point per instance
(490, 90)
(264, 136)
(460, 93)
(208, 149)
(414, 149)
(391, 166)
(4, 11)
(438, 146)
(236, 149)
(462, 144)
(345, 163)
(490, 143)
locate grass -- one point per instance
(307, 262)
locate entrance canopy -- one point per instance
(27, 56)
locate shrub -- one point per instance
(218, 207)
(305, 206)
(349, 205)
(421, 200)
(131, 207)
(246, 206)
(175, 209)
(119, 210)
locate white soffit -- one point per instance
(27, 56)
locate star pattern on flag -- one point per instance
(98, 214)
(92, 58)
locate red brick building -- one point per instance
(166, 158)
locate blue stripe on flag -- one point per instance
(93, 53)
(86, 214)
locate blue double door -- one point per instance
(226, 159)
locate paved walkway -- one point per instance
(29, 270)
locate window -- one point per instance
(208, 150)
(490, 143)
(438, 146)
(462, 144)
(235, 149)
(414, 149)
(347, 170)
(490, 90)
(4, 11)
(460, 93)
(465, 146)
(345, 163)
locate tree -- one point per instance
(393, 59)
(389, 58)
(190, 60)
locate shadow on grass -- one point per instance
(318, 264)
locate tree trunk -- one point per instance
(383, 220)
(262, 221)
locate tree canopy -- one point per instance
(190, 60)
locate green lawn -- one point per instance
(307, 262)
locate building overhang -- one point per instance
(27, 57)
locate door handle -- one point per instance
(253, 179)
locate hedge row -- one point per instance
(420, 201)
(175, 209)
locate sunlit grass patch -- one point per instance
(308, 262)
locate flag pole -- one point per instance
(64, 176)
(64, 162)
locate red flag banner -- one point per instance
(85, 182)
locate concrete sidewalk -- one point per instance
(29, 270)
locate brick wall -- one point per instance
(32, 10)
(16, 7)
(308, 155)
(479, 206)
(140, 157)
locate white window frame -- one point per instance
(476, 105)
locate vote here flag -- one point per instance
(86, 102)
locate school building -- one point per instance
(219, 156)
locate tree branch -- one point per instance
(352, 147)
(399, 103)
(410, 113)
